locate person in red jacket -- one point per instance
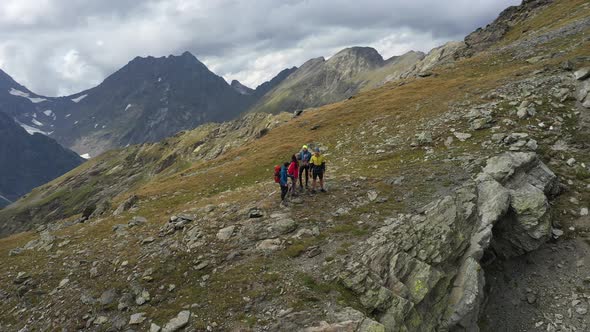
(293, 172)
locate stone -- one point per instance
(269, 245)
(255, 213)
(424, 138)
(467, 295)
(226, 233)
(126, 205)
(143, 297)
(180, 321)
(348, 319)
(498, 138)
(63, 283)
(584, 211)
(481, 123)
(155, 328)
(281, 227)
(582, 91)
(448, 141)
(536, 59)
(107, 297)
(21, 277)
(531, 298)
(557, 233)
(137, 319)
(120, 229)
(372, 195)
(582, 74)
(125, 302)
(502, 167)
(532, 145)
(201, 265)
(462, 136)
(137, 221)
(529, 226)
(101, 320)
(15, 252)
(571, 162)
(148, 239)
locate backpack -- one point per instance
(277, 173)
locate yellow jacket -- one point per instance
(317, 160)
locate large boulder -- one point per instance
(423, 273)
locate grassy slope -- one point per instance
(242, 177)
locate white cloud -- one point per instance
(25, 12)
(63, 46)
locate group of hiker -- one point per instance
(302, 162)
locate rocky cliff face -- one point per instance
(422, 272)
(483, 38)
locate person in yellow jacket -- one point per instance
(317, 164)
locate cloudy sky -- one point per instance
(58, 47)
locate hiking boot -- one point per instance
(301, 188)
(323, 190)
(313, 191)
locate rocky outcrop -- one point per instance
(437, 56)
(583, 86)
(423, 273)
(483, 38)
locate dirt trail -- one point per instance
(546, 290)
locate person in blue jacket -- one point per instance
(283, 181)
(305, 157)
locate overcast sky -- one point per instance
(58, 47)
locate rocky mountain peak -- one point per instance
(363, 55)
(241, 88)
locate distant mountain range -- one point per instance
(153, 98)
(28, 161)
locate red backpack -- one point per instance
(278, 173)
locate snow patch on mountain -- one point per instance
(78, 99)
(85, 156)
(30, 129)
(19, 93)
(128, 107)
(2, 198)
(37, 123)
(48, 112)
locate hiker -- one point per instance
(293, 172)
(318, 168)
(304, 156)
(284, 181)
